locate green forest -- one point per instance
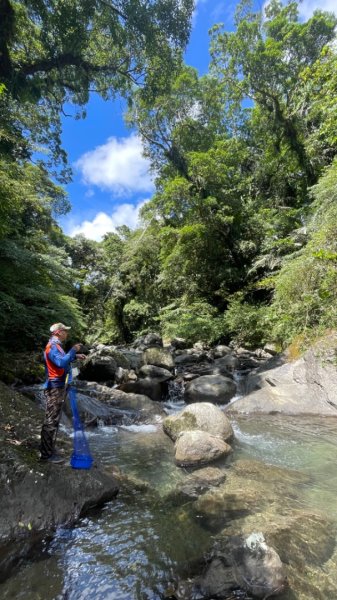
(239, 241)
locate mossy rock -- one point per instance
(174, 426)
(203, 416)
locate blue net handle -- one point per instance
(73, 403)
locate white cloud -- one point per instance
(118, 165)
(123, 214)
(307, 7)
(197, 4)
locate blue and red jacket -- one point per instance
(57, 363)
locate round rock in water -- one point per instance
(194, 448)
(210, 388)
(258, 568)
(203, 416)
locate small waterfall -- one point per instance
(239, 378)
(174, 400)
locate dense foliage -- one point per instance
(53, 54)
(239, 239)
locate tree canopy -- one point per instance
(238, 239)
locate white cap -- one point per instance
(58, 327)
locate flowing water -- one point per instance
(135, 547)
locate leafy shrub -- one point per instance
(197, 321)
(248, 324)
(137, 316)
(306, 287)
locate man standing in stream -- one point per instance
(58, 371)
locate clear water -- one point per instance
(135, 547)
(307, 445)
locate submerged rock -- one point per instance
(93, 411)
(217, 580)
(258, 568)
(196, 484)
(244, 566)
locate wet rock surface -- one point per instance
(195, 448)
(261, 500)
(36, 497)
(196, 484)
(302, 387)
(233, 501)
(138, 407)
(203, 416)
(155, 373)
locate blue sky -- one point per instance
(111, 180)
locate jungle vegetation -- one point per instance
(239, 238)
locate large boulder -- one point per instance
(113, 352)
(98, 368)
(220, 351)
(189, 357)
(149, 340)
(148, 387)
(229, 362)
(210, 388)
(160, 357)
(196, 448)
(203, 416)
(134, 357)
(305, 386)
(178, 343)
(155, 373)
(102, 364)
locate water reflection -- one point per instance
(136, 545)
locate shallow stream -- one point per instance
(137, 545)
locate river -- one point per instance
(138, 545)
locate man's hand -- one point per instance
(81, 356)
(77, 347)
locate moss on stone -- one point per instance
(175, 425)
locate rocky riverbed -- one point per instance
(250, 508)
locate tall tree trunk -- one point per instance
(7, 18)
